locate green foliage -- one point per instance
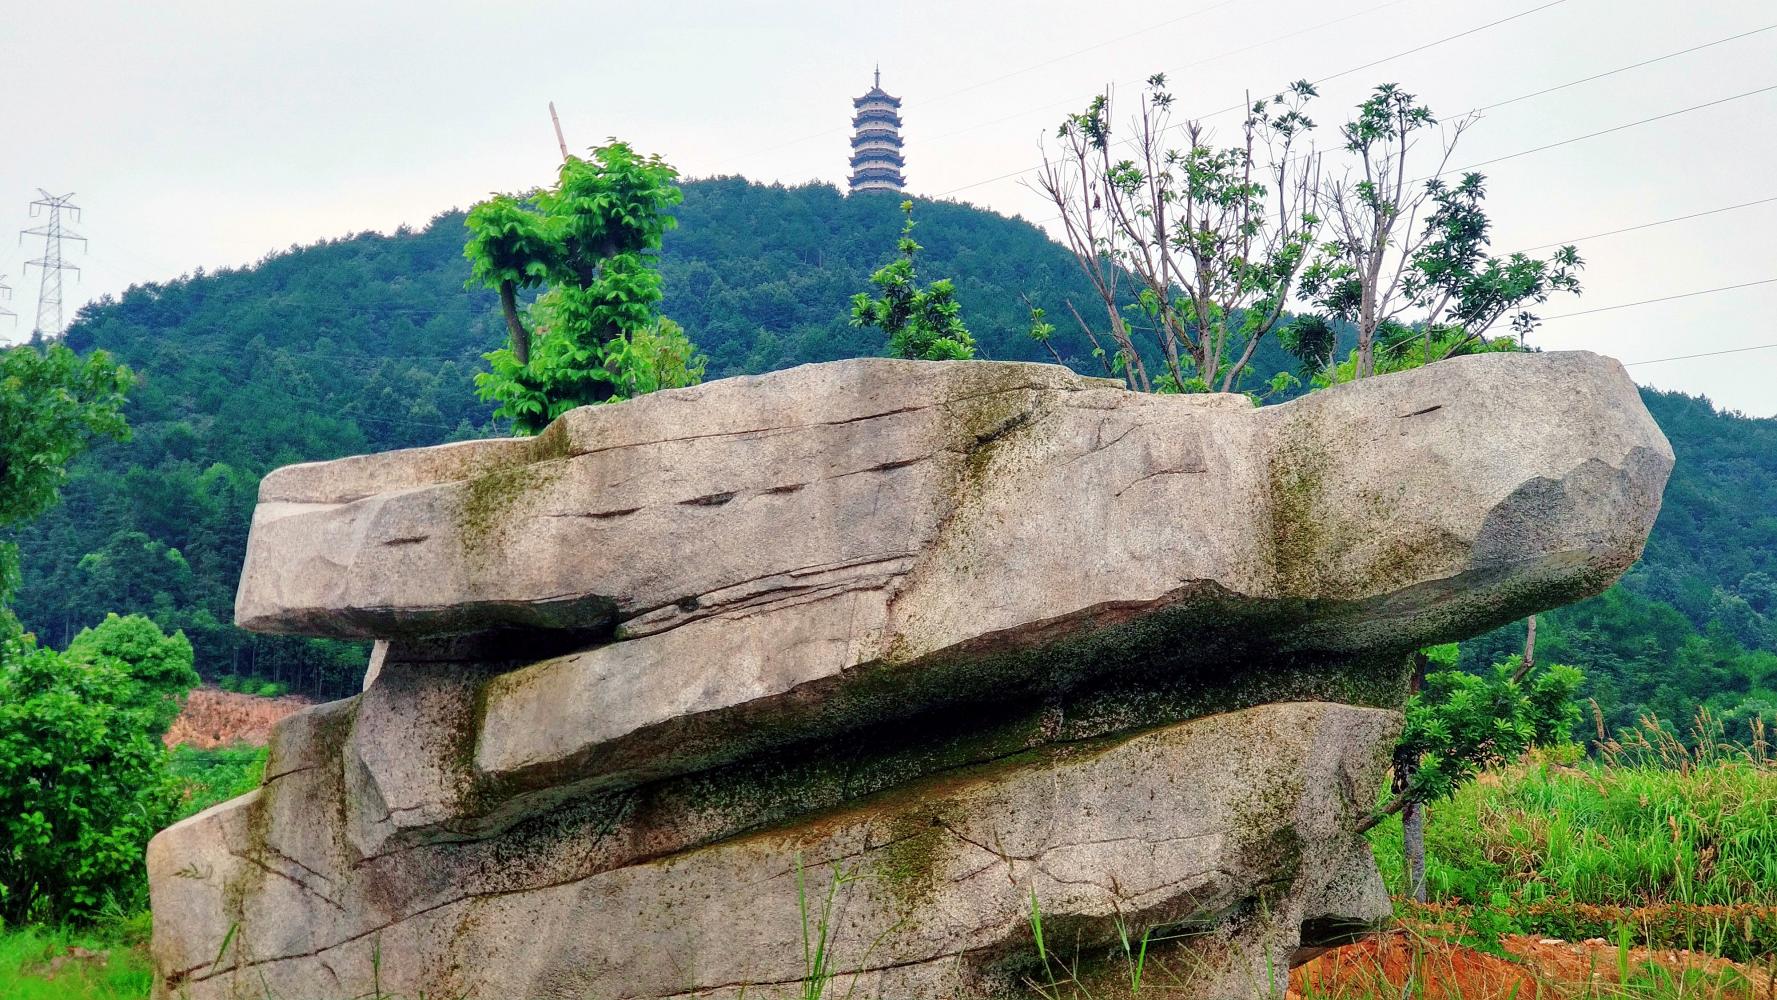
(510, 245)
(365, 344)
(1396, 246)
(83, 779)
(1313, 341)
(125, 973)
(53, 403)
(209, 777)
(251, 685)
(1453, 277)
(1689, 627)
(1461, 722)
(157, 664)
(1211, 240)
(1401, 348)
(1683, 854)
(593, 241)
(923, 324)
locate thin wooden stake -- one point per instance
(559, 141)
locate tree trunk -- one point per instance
(521, 338)
(1529, 661)
(1413, 813)
(1413, 848)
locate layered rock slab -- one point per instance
(890, 625)
(760, 560)
(925, 890)
(984, 495)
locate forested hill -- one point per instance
(370, 342)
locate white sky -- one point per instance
(209, 134)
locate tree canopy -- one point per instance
(592, 243)
(53, 404)
(366, 343)
(923, 324)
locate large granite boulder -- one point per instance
(891, 649)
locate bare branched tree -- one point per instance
(1198, 247)
(1413, 250)
(1361, 274)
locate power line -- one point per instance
(1003, 76)
(6, 293)
(1650, 225)
(1705, 354)
(1334, 76)
(1607, 132)
(1584, 79)
(1431, 44)
(1080, 52)
(1625, 69)
(1188, 66)
(54, 233)
(1573, 83)
(1664, 298)
(1601, 132)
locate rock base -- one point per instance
(1235, 860)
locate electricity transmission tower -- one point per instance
(6, 293)
(54, 233)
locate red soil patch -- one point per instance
(1537, 969)
(1380, 966)
(215, 718)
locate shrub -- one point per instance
(83, 775)
(207, 777)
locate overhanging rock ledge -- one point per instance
(942, 635)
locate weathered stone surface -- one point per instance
(1179, 826)
(955, 634)
(838, 542)
(949, 503)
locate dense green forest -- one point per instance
(370, 342)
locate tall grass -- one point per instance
(1678, 838)
(26, 954)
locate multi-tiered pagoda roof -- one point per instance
(876, 159)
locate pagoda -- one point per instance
(876, 145)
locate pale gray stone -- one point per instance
(1177, 827)
(930, 481)
(954, 633)
(784, 556)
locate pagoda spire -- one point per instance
(876, 159)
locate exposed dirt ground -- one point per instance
(1536, 969)
(215, 718)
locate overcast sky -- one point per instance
(212, 134)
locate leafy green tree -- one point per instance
(83, 774)
(1461, 289)
(592, 243)
(1397, 348)
(158, 665)
(1403, 251)
(366, 343)
(53, 403)
(1458, 722)
(1198, 247)
(134, 572)
(923, 324)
